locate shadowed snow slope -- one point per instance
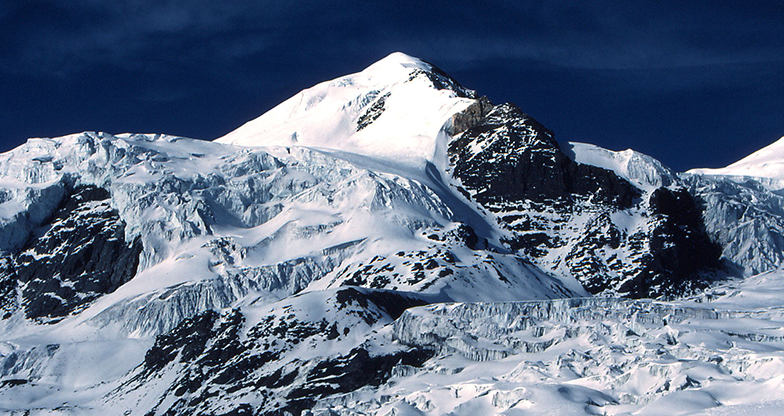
(744, 208)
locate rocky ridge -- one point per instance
(577, 215)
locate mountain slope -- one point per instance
(358, 249)
(503, 161)
(580, 219)
(394, 110)
(214, 227)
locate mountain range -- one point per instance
(386, 243)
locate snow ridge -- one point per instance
(393, 110)
(765, 165)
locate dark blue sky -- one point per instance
(694, 85)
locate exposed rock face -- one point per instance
(510, 156)
(8, 295)
(680, 249)
(471, 116)
(81, 255)
(223, 367)
(570, 215)
(442, 81)
(372, 113)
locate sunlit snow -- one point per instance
(307, 219)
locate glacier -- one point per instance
(385, 243)
(720, 350)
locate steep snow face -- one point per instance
(744, 208)
(394, 110)
(767, 163)
(640, 169)
(744, 217)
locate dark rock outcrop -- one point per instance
(508, 156)
(8, 296)
(222, 367)
(680, 249)
(442, 81)
(350, 372)
(80, 255)
(372, 113)
(513, 166)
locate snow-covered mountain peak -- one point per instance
(382, 243)
(767, 163)
(396, 109)
(398, 59)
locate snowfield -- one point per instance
(340, 255)
(765, 166)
